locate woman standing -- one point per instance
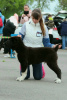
(9, 28)
(63, 28)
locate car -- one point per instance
(45, 14)
(58, 19)
(57, 39)
(60, 16)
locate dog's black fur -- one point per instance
(1, 44)
(28, 55)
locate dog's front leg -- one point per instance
(21, 78)
(24, 65)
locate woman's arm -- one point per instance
(22, 31)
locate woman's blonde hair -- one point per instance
(36, 13)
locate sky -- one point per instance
(52, 5)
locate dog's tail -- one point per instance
(56, 48)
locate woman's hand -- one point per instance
(18, 35)
(23, 15)
(28, 15)
(59, 46)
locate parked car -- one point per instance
(60, 16)
(56, 37)
(44, 14)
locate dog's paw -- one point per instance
(57, 80)
(20, 78)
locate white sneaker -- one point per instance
(6, 55)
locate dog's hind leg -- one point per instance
(53, 65)
(24, 73)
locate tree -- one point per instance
(62, 5)
(42, 4)
(9, 7)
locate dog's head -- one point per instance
(13, 43)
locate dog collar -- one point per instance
(5, 37)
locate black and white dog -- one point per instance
(41, 54)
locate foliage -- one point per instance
(62, 5)
(9, 7)
(41, 4)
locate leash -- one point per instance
(5, 37)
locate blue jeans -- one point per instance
(64, 42)
(37, 71)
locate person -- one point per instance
(49, 22)
(63, 27)
(46, 19)
(35, 34)
(50, 25)
(19, 18)
(27, 14)
(9, 28)
(50, 17)
(3, 23)
(57, 23)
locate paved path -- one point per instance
(31, 89)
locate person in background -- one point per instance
(50, 24)
(63, 28)
(27, 14)
(19, 18)
(34, 33)
(10, 26)
(2, 23)
(46, 19)
(50, 17)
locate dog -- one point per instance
(40, 54)
(1, 44)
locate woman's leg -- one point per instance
(63, 42)
(28, 72)
(37, 71)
